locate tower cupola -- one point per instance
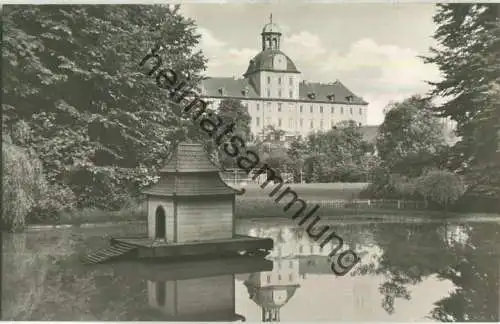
(271, 36)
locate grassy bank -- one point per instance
(246, 208)
(266, 208)
(133, 213)
(311, 191)
(256, 203)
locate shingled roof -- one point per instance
(264, 61)
(189, 172)
(335, 92)
(231, 87)
(188, 157)
(338, 92)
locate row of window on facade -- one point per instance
(290, 278)
(310, 95)
(290, 80)
(291, 123)
(280, 94)
(311, 109)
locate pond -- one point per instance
(408, 272)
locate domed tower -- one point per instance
(271, 35)
(271, 290)
(271, 72)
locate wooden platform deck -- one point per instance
(144, 247)
(113, 252)
(147, 248)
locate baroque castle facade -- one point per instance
(275, 94)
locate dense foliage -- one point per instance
(410, 141)
(26, 194)
(409, 137)
(21, 177)
(468, 57)
(337, 155)
(94, 119)
(232, 111)
(441, 187)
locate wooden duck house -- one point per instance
(190, 202)
(190, 212)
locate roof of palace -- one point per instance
(242, 89)
(264, 61)
(263, 296)
(189, 172)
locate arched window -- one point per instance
(160, 223)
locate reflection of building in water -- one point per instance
(207, 299)
(455, 234)
(295, 256)
(292, 242)
(271, 290)
(320, 265)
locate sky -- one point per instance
(371, 48)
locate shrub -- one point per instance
(27, 196)
(52, 201)
(441, 187)
(23, 182)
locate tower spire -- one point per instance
(270, 35)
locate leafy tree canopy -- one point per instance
(72, 74)
(410, 136)
(468, 57)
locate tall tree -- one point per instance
(410, 137)
(468, 57)
(297, 152)
(336, 155)
(72, 74)
(232, 111)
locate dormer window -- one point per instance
(221, 91)
(331, 97)
(349, 98)
(311, 95)
(244, 92)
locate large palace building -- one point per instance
(276, 95)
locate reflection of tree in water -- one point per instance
(475, 272)
(403, 260)
(413, 253)
(41, 284)
(46, 281)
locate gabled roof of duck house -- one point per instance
(189, 172)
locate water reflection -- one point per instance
(193, 291)
(406, 257)
(443, 272)
(271, 290)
